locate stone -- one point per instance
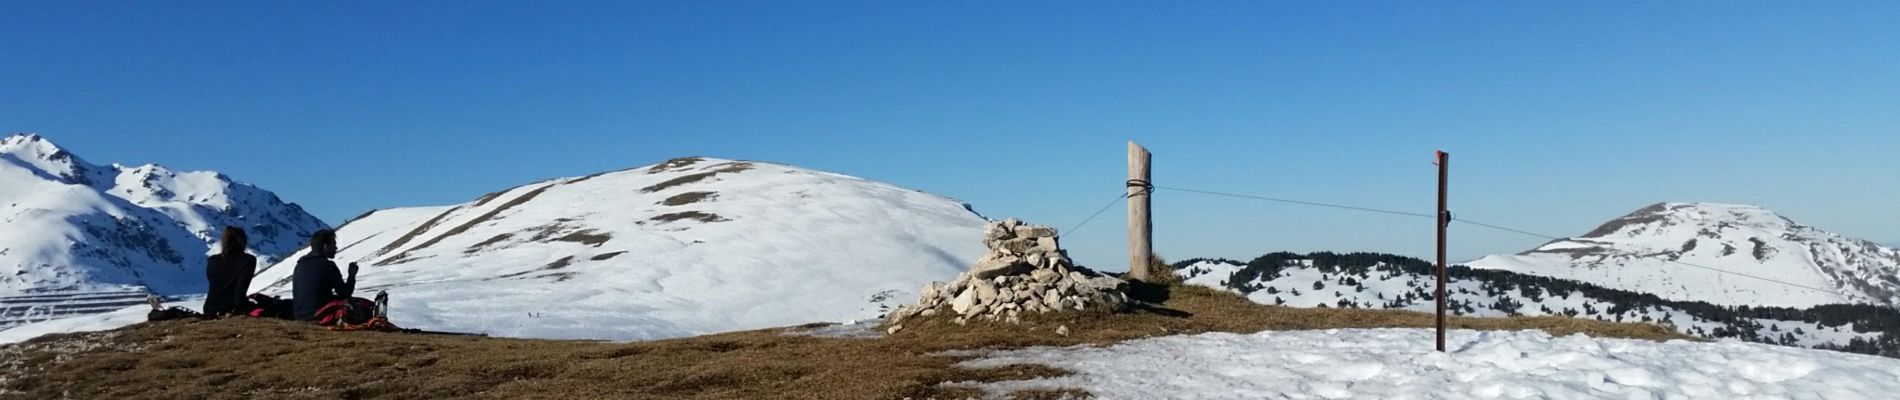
(1017, 246)
(991, 267)
(1062, 330)
(1044, 275)
(1049, 243)
(985, 292)
(995, 232)
(1077, 276)
(1011, 224)
(1034, 231)
(959, 321)
(1035, 260)
(978, 310)
(1005, 295)
(1052, 298)
(928, 312)
(964, 301)
(894, 329)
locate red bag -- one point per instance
(351, 311)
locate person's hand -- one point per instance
(353, 269)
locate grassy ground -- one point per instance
(245, 358)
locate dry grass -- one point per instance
(688, 215)
(688, 198)
(464, 227)
(241, 358)
(413, 233)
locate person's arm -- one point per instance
(244, 280)
(346, 287)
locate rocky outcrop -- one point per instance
(1025, 272)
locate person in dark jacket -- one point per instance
(229, 273)
(316, 281)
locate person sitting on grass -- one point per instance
(316, 282)
(229, 276)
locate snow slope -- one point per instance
(68, 226)
(1379, 281)
(1400, 363)
(1669, 249)
(686, 247)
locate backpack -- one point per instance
(350, 311)
(172, 314)
(267, 306)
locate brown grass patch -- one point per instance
(605, 256)
(688, 198)
(688, 215)
(411, 235)
(248, 357)
(680, 180)
(726, 168)
(586, 237)
(464, 227)
(673, 164)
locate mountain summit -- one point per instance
(67, 225)
(684, 247)
(1718, 253)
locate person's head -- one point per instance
(234, 241)
(323, 243)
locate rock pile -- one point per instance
(1026, 271)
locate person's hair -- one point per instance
(234, 240)
(323, 241)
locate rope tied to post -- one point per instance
(1146, 188)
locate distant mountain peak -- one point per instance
(1721, 253)
(76, 226)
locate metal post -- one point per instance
(1444, 218)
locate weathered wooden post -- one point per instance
(1444, 218)
(1140, 228)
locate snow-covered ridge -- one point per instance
(68, 226)
(684, 247)
(1380, 281)
(1646, 251)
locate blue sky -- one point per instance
(1559, 116)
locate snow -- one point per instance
(94, 322)
(74, 227)
(791, 246)
(1708, 252)
(590, 257)
(1401, 364)
(1384, 286)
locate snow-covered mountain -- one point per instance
(72, 227)
(1674, 249)
(1382, 281)
(685, 247)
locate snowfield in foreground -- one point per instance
(1400, 364)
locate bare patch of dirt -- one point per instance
(688, 215)
(674, 164)
(586, 237)
(406, 237)
(561, 263)
(605, 256)
(464, 227)
(725, 168)
(688, 198)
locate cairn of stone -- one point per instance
(1025, 272)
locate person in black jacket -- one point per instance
(229, 273)
(316, 281)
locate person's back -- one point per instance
(230, 278)
(316, 281)
(228, 275)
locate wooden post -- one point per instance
(1444, 218)
(1140, 230)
